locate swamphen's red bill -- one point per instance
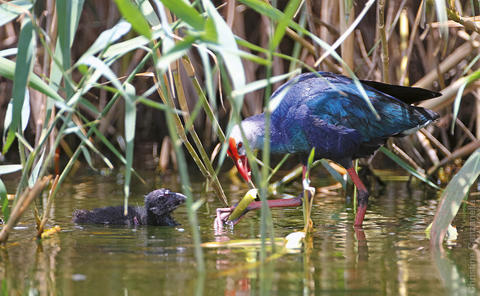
(240, 161)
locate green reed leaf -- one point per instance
(134, 16)
(407, 167)
(184, 11)
(4, 201)
(12, 9)
(24, 65)
(452, 197)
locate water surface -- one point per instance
(390, 257)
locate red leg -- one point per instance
(362, 197)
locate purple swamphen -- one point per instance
(327, 111)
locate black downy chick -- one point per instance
(159, 204)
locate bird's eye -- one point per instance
(239, 145)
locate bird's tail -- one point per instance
(426, 117)
(427, 113)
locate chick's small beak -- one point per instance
(241, 161)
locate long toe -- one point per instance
(222, 216)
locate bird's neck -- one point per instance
(254, 128)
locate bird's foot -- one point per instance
(222, 217)
(308, 191)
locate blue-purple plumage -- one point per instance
(327, 111)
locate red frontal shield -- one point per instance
(240, 161)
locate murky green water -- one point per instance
(390, 257)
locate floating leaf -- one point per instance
(242, 243)
(295, 240)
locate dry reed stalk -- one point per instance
(468, 23)
(383, 38)
(21, 205)
(330, 16)
(465, 130)
(435, 142)
(211, 175)
(424, 141)
(448, 95)
(363, 50)
(404, 33)
(326, 14)
(411, 42)
(165, 154)
(181, 131)
(449, 62)
(230, 12)
(459, 153)
(312, 27)
(187, 64)
(406, 157)
(41, 225)
(347, 47)
(297, 38)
